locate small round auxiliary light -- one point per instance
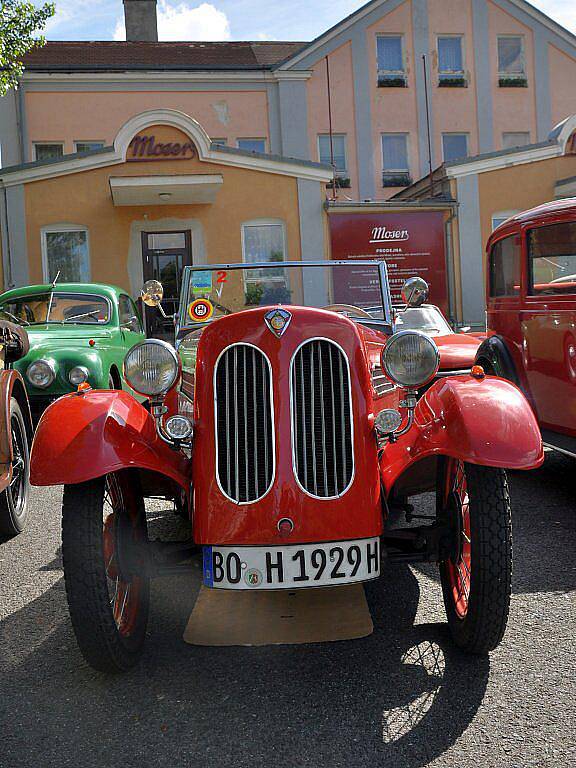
(83, 388)
(388, 421)
(178, 427)
(285, 526)
(92, 342)
(478, 372)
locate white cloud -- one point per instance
(184, 21)
(562, 11)
(265, 36)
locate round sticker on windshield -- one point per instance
(200, 310)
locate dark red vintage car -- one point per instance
(289, 429)
(531, 317)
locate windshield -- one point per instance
(358, 289)
(427, 319)
(53, 307)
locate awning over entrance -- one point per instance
(165, 190)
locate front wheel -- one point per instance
(14, 498)
(476, 568)
(103, 550)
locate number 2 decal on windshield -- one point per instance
(221, 278)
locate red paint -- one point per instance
(457, 350)
(539, 330)
(486, 422)
(81, 437)
(412, 244)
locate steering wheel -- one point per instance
(349, 309)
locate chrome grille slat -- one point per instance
(244, 423)
(322, 424)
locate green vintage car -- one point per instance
(78, 332)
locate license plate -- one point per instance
(300, 565)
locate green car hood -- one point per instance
(56, 335)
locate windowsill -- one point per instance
(392, 81)
(505, 81)
(452, 81)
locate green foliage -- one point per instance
(253, 294)
(20, 23)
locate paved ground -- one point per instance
(401, 698)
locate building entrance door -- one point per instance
(164, 256)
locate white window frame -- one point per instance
(393, 72)
(513, 75)
(263, 223)
(46, 144)
(462, 72)
(502, 216)
(395, 133)
(251, 138)
(339, 172)
(64, 227)
(456, 133)
(88, 141)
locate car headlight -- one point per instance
(151, 368)
(410, 358)
(41, 373)
(78, 375)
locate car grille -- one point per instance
(244, 423)
(322, 419)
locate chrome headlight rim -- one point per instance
(158, 392)
(394, 339)
(51, 370)
(85, 372)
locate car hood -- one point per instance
(457, 350)
(56, 336)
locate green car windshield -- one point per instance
(358, 289)
(55, 307)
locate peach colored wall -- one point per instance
(97, 116)
(563, 84)
(342, 98)
(84, 198)
(454, 109)
(514, 109)
(393, 109)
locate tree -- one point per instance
(20, 23)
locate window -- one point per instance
(128, 315)
(511, 69)
(454, 146)
(450, 62)
(338, 150)
(265, 241)
(395, 168)
(48, 151)
(505, 267)
(88, 146)
(65, 250)
(390, 54)
(220, 142)
(552, 258)
(252, 145)
(515, 139)
(501, 217)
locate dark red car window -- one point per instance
(552, 258)
(505, 267)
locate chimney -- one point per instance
(140, 20)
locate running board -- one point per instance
(561, 443)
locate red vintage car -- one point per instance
(288, 427)
(531, 314)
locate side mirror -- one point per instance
(414, 292)
(152, 293)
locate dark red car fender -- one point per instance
(81, 437)
(486, 421)
(11, 385)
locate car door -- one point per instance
(548, 324)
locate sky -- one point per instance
(230, 19)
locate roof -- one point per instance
(93, 56)
(546, 209)
(89, 288)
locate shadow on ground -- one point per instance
(403, 695)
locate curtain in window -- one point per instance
(455, 146)
(395, 152)
(390, 54)
(67, 253)
(450, 54)
(510, 55)
(338, 143)
(264, 242)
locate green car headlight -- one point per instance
(151, 368)
(78, 375)
(41, 373)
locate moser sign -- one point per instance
(146, 147)
(410, 243)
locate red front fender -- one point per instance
(81, 437)
(486, 421)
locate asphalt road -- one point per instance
(402, 697)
